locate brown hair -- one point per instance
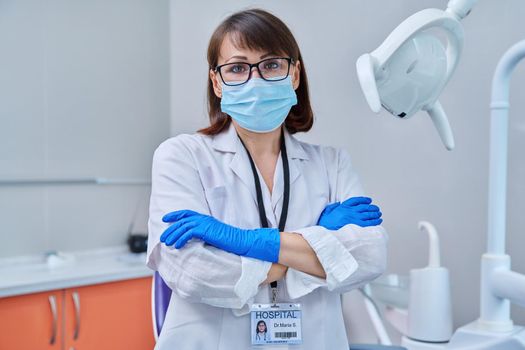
(256, 29)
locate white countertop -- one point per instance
(38, 273)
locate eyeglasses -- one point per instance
(270, 69)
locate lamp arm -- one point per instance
(460, 8)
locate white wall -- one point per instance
(84, 92)
(402, 163)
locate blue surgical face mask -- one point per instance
(259, 105)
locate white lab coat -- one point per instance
(212, 289)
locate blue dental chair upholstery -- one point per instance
(161, 299)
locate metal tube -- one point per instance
(509, 285)
(498, 148)
(495, 310)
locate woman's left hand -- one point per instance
(355, 210)
(261, 243)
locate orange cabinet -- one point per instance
(114, 315)
(32, 321)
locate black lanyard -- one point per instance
(286, 197)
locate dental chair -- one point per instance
(160, 299)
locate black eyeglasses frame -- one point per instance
(290, 60)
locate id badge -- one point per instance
(276, 324)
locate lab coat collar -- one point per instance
(228, 141)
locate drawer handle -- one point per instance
(53, 306)
(76, 302)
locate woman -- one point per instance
(260, 331)
(244, 214)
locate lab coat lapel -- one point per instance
(240, 165)
(296, 155)
(228, 141)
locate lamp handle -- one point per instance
(440, 120)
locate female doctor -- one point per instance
(244, 217)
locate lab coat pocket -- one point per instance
(217, 198)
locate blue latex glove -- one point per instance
(260, 243)
(355, 210)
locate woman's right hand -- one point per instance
(259, 243)
(356, 210)
(276, 272)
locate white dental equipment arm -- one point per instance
(499, 284)
(408, 71)
(460, 8)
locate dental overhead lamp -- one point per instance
(408, 71)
